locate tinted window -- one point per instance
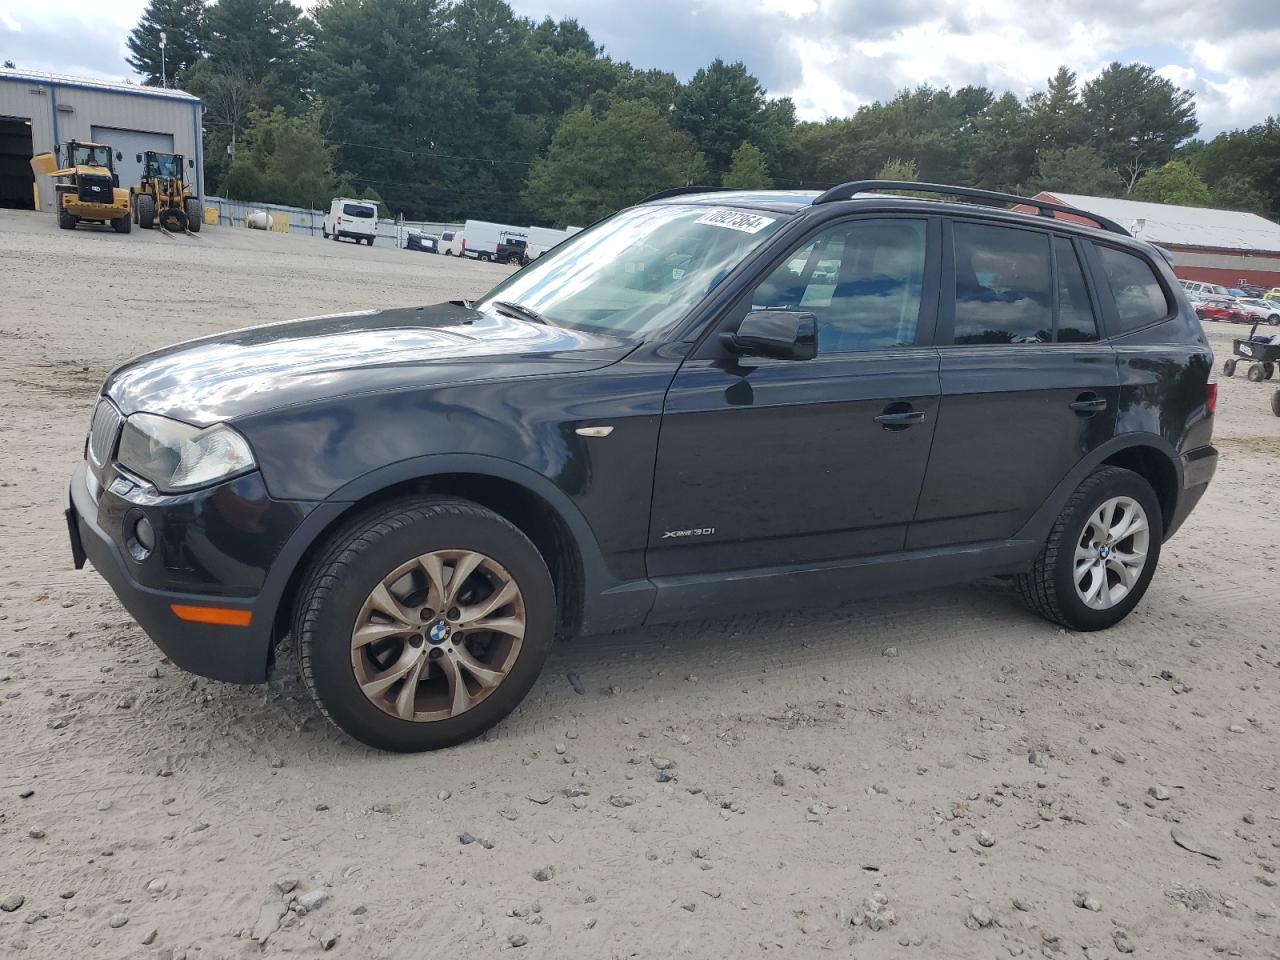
(1140, 299)
(861, 280)
(358, 210)
(1003, 290)
(447, 235)
(1076, 323)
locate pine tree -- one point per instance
(182, 22)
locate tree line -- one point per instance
(445, 109)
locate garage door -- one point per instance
(16, 179)
(127, 144)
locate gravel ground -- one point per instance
(939, 775)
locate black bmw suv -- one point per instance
(709, 402)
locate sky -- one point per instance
(830, 56)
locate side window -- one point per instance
(1076, 322)
(1004, 293)
(861, 279)
(1140, 299)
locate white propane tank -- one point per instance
(258, 220)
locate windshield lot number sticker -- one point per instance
(736, 220)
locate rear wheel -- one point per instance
(1274, 319)
(1229, 367)
(424, 623)
(65, 220)
(122, 224)
(1268, 371)
(1101, 554)
(1255, 373)
(1275, 403)
(195, 215)
(146, 211)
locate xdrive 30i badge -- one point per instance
(696, 532)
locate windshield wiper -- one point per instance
(522, 312)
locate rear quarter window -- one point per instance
(1139, 295)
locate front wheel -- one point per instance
(1255, 373)
(1274, 320)
(195, 214)
(1100, 555)
(424, 623)
(1229, 367)
(1275, 403)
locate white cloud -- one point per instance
(831, 56)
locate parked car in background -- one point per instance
(417, 240)
(1198, 288)
(542, 239)
(351, 220)
(511, 250)
(1255, 310)
(1217, 308)
(704, 405)
(1272, 294)
(452, 243)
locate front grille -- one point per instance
(104, 431)
(94, 188)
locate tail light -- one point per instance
(339, 221)
(1211, 394)
(464, 243)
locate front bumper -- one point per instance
(236, 654)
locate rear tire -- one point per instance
(1067, 565)
(122, 224)
(195, 215)
(146, 211)
(1229, 367)
(1255, 373)
(65, 220)
(1275, 403)
(382, 551)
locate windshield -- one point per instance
(165, 165)
(358, 210)
(87, 156)
(638, 271)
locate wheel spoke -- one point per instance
(511, 626)
(433, 567)
(1134, 522)
(385, 603)
(484, 676)
(380, 683)
(409, 692)
(463, 567)
(1124, 572)
(458, 696)
(1095, 583)
(499, 599)
(372, 632)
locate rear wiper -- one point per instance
(523, 312)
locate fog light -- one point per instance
(142, 539)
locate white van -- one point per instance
(354, 219)
(452, 243)
(542, 239)
(494, 241)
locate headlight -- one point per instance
(176, 456)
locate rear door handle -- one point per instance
(1089, 403)
(895, 418)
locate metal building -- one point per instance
(39, 110)
(1216, 246)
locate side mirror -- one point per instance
(119, 155)
(779, 334)
(191, 163)
(138, 157)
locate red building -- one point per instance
(1217, 246)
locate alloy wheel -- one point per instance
(437, 635)
(1111, 552)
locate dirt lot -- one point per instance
(941, 775)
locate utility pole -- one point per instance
(164, 79)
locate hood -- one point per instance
(249, 371)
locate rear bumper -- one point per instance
(1198, 468)
(356, 235)
(232, 654)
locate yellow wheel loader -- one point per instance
(87, 188)
(163, 196)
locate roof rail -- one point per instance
(1045, 208)
(680, 191)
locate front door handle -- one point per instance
(899, 416)
(1088, 404)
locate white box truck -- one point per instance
(351, 219)
(542, 239)
(502, 242)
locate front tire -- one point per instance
(1229, 367)
(195, 215)
(1275, 403)
(146, 211)
(401, 657)
(1100, 555)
